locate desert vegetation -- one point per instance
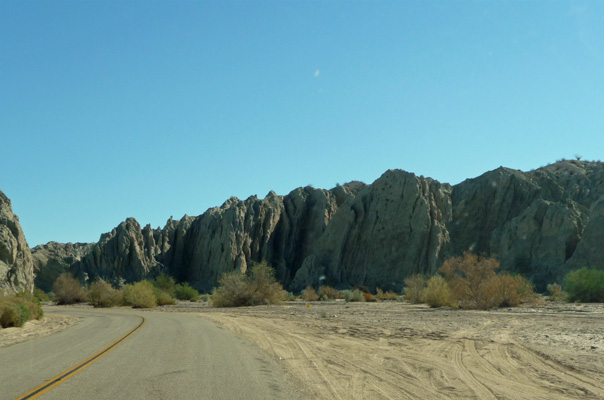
(186, 292)
(102, 294)
(260, 287)
(67, 290)
(585, 285)
(469, 282)
(17, 309)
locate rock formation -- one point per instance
(52, 259)
(16, 266)
(541, 223)
(389, 230)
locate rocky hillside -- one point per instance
(16, 266)
(540, 223)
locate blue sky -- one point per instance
(149, 109)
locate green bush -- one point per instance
(415, 285)
(437, 293)
(585, 285)
(353, 295)
(556, 293)
(310, 294)
(165, 283)
(13, 314)
(186, 292)
(30, 302)
(102, 294)
(67, 290)
(259, 287)
(162, 298)
(140, 295)
(40, 295)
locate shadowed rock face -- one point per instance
(541, 223)
(16, 266)
(52, 259)
(389, 230)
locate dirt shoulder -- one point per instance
(34, 329)
(393, 350)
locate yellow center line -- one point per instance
(62, 377)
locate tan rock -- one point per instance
(16, 265)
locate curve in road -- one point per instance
(173, 356)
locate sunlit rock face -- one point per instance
(541, 223)
(16, 266)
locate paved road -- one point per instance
(172, 356)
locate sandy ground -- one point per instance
(393, 350)
(34, 329)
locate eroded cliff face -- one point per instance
(52, 259)
(279, 230)
(126, 253)
(541, 223)
(389, 230)
(16, 266)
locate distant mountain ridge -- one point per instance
(541, 223)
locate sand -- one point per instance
(49, 324)
(392, 350)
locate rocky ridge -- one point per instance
(541, 223)
(16, 265)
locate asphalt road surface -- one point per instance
(171, 356)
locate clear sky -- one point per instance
(147, 109)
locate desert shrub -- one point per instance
(328, 293)
(310, 294)
(471, 280)
(40, 295)
(510, 291)
(162, 298)
(475, 284)
(102, 294)
(259, 287)
(291, 296)
(353, 295)
(234, 291)
(415, 285)
(30, 302)
(165, 283)
(12, 314)
(438, 293)
(185, 292)
(140, 295)
(67, 290)
(585, 285)
(389, 295)
(556, 293)
(205, 297)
